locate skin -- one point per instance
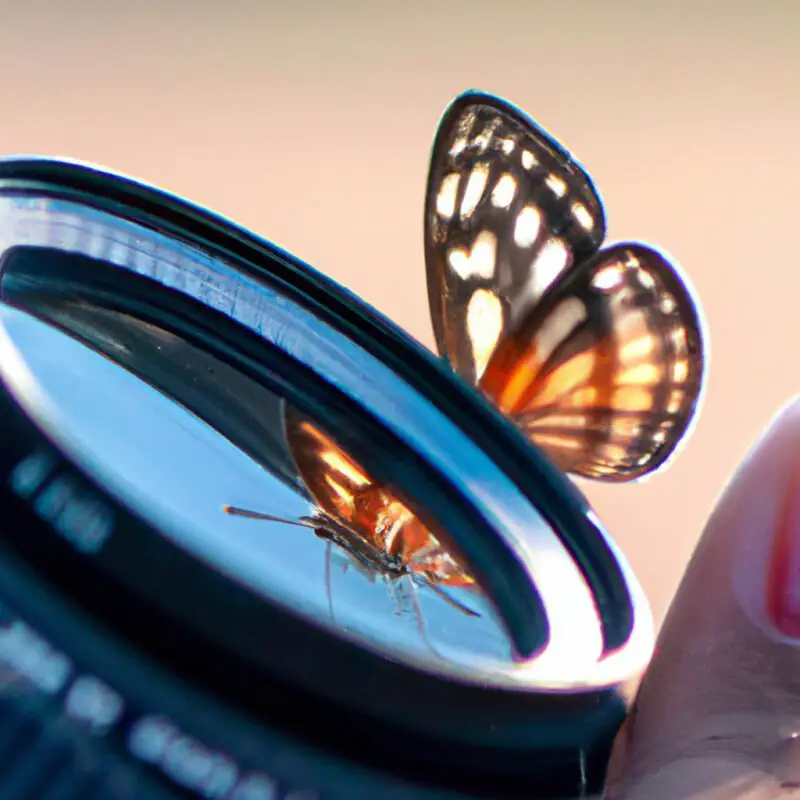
(718, 713)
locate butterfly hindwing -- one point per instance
(605, 373)
(508, 211)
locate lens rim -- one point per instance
(598, 711)
(619, 599)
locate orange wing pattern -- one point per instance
(368, 509)
(596, 355)
(605, 372)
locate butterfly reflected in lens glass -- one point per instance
(595, 353)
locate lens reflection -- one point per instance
(229, 471)
(396, 538)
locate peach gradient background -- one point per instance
(311, 122)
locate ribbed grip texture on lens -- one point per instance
(42, 758)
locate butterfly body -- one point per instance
(364, 509)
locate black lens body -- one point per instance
(131, 668)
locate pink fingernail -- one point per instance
(760, 513)
(782, 601)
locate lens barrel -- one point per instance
(156, 364)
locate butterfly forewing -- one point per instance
(605, 373)
(508, 211)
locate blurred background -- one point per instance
(311, 122)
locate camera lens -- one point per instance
(257, 543)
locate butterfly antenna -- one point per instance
(247, 514)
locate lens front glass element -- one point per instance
(231, 472)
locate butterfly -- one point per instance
(361, 514)
(596, 353)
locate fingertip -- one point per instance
(726, 673)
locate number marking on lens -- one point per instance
(25, 652)
(100, 710)
(63, 499)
